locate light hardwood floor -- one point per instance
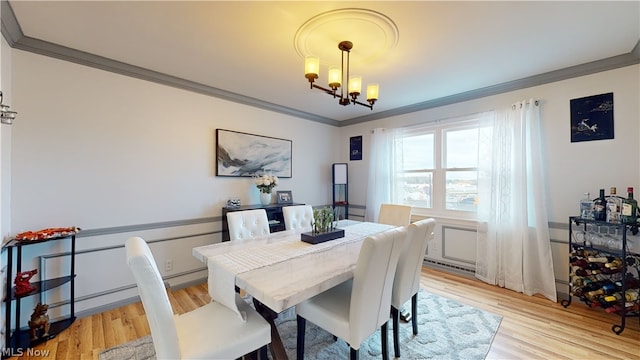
(531, 328)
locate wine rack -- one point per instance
(604, 268)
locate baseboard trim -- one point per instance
(459, 270)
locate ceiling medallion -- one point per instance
(374, 33)
(317, 37)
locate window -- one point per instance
(440, 167)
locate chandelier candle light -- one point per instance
(338, 76)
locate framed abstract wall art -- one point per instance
(592, 118)
(243, 154)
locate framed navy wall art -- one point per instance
(355, 148)
(592, 118)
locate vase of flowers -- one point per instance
(265, 184)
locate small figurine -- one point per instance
(39, 320)
(22, 282)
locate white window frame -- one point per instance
(438, 191)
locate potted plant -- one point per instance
(323, 227)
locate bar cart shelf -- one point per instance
(590, 240)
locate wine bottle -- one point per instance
(614, 203)
(579, 262)
(597, 259)
(606, 289)
(600, 207)
(629, 208)
(631, 295)
(614, 308)
(613, 298)
(586, 207)
(614, 264)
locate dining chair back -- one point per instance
(211, 331)
(247, 224)
(298, 217)
(394, 214)
(406, 283)
(355, 309)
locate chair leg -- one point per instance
(395, 316)
(354, 354)
(385, 340)
(414, 310)
(302, 322)
(262, 353)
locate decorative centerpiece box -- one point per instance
(317, 238)
(323, 228)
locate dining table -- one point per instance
(279, 270)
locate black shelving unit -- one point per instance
(15, 337)
(340, 186)
(629, 263)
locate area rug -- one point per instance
(447, 329)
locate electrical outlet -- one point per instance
(168, 265)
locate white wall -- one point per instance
(571, 168)
(102, 151)
(96, 149)
(5, 168)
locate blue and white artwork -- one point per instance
(242, 154)
(592, 118)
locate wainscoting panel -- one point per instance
(459, 244)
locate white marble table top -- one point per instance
(280, 270)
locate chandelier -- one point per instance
(337, 77)
(6, 116)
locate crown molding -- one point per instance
(14, 36)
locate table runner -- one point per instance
(266, 251)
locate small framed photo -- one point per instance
(284, 197)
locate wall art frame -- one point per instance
(355, 148)
(284, 197)
(592, 118)
(240, 154)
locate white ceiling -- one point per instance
(246, 49)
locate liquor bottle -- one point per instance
(586, 207)
(600, 207)
(629, 208)
(614, 203)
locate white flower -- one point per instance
(266, 183)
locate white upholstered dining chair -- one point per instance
(297, 217)
(407, 279)
(209, 332)
(355, 309)
(394, 214)
(247, 224)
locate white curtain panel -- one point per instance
(385, 165)
(513, 247)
